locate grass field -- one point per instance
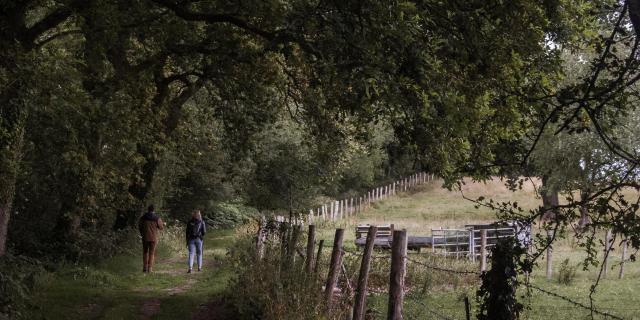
(430, 206)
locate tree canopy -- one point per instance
(107, 105)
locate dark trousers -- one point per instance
(148, 255)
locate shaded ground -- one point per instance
(215, 310)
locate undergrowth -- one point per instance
(278, 287)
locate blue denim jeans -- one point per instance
(195, 247)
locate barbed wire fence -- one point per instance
(417, 263)
(437, 311)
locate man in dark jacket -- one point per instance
(149, 225)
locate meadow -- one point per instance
(431, 207)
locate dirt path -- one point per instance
(116, 289)
(215, 310)
(150, 308)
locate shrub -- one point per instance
(18, 278)
(227, 215)
(567, 273)
(94, 245)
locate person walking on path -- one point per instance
(196, 229)
(149, 225)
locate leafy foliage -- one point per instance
(497, 294)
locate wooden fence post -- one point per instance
(331, 211)
(260, 239)
(284, 236)
(396, 278)
(483, 250)
(311, 244)
(318, 256)
(345, 208)
(549, 256)
(334, 268)
(293, 243)
(624, 257)
(363, 277)
(467, 308)
(607, 249)
(472, 245)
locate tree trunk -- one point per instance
(8, 176)
(584, 211)
(549, 199)
(5, 211)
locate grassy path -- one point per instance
(117, 288)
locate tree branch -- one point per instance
(189, 15)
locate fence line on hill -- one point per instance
(344, 208)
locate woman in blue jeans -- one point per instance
(196, 229)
